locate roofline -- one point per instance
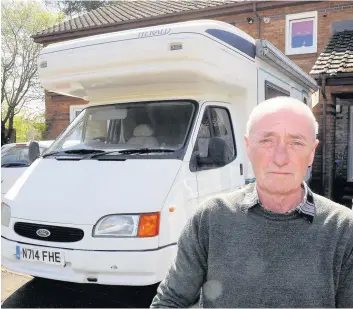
(339, 79)
(210, 12)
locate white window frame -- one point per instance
(74, 109)
(301, 17)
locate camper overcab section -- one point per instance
(163, 131)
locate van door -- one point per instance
(216, 130)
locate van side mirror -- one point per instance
(33, 152)
(219, 154)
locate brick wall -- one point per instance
(58, 108)
(336, 139)
(57, 113)
(275, 30)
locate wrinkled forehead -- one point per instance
(284, 122)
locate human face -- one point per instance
(280, 147)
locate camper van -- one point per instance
(162, 132)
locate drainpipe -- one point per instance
(258, 21)
(323, 92)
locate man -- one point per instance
(273, 243)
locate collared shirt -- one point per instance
(306, 207)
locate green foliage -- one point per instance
(19, 54)
(28, 130)
(72, 8)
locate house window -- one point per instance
(301, 33)
(75, 110)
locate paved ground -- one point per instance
(19, 291)
(11, 282)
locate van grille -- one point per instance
(57, 233)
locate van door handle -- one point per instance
(241, 169)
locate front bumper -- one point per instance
(135, 268)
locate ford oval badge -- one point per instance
(43, 233)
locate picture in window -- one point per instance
(302, 33)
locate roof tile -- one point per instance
(129, 10)
(337, 57)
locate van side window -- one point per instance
(272, 91)
(215, 132)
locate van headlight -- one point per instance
(5, 214)
(144, 225)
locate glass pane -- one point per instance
(15, 155)
(219, 125)
(302, 33)
(203, 136)
(272, 92)
(222, 127)
(125, 126)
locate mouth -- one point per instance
(280, 173)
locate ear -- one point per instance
(312, 155)
(246, 139)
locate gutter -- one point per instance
(258, 21)
(206, 13)
(267, 52)
(324, 148)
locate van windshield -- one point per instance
(145, 125)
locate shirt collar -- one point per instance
(306, 208)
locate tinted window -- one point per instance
(15, 155)
(216, 122)
(272, 91)
(129, 126)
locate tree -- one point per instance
(73, 8)
(19, 80)
(29, 128)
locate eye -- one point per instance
(297, 143)
(265, 141)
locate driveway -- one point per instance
(20, 291)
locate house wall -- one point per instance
(57, 113)
(336, 140)
(275, 30)
(58, 107)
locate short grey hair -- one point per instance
(281, 103)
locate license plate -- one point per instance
(33, 254)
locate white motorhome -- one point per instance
(163, 131)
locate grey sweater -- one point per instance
(232, 256)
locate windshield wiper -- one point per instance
(75, 151)
(132, 151)
(145, 150)
(14, 164)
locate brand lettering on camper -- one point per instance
(156, 32)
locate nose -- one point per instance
(281, 157)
